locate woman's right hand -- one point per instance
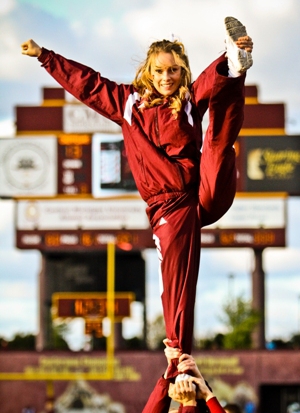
(188, 365)
(203, 391)
(30, 48)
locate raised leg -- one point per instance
(217, 166)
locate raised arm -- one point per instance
(85, 84)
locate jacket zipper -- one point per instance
(159, 145)
(180, 175)
(156, 127)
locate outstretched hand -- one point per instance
(30, 48)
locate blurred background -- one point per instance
(112, 37)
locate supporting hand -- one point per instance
(170, 353)
(183, 392)
(203, 391)
(188, 365)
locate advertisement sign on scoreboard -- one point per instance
(256, 221)
(269, 164)
(28, 166)
(74, 164)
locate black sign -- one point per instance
(74, 164)
(115, 170)
(269, 164)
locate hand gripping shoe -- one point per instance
(239, 60)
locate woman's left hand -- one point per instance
(245, 43)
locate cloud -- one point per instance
(7, 129)
(18, 266)
(276, 260)
(18, 290)
(22, 316)
(6, 6)
(282, 306)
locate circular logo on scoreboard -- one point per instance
(26, 166)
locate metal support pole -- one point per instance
(43, 334)
(258, 299)
(111, 306)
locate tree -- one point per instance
(240, 319)
(20, 341)
(214, 342)
(156, 333)
(295, 341)
(58, 333)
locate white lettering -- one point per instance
(72, 163)
(243, 238)
(31, 239)
(69, 239)
(208, 238)
(70, 190)
(105, 238)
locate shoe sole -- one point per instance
(234, 28)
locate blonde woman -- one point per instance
(185, 185)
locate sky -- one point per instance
(112, 36)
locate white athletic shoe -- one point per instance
(239, 60)
(184, 376)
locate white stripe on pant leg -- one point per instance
(160, 258)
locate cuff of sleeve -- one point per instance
(214, 405)
(44, 55)
(165, 382)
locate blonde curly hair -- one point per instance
(143, 78)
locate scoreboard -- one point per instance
(68, 171)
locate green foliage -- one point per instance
(215, 342)
(19, 342)
(58, 332)
(156, 333)
(280, 344)
(98, 343)
(295, 341)
(134, 343)
(240, 319)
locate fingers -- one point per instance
(24, 47)
(172, 353)
(183, 391)
(184, 386)
(166, 342)
(187, 364)
(171, 390)
(185, 356)
(30, 48)
(202, 390)
(245, 42)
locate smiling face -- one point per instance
(166, 74)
